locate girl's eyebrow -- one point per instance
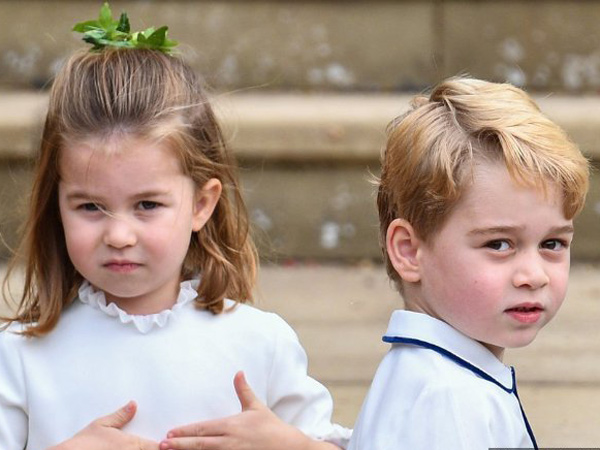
(78, 195)
(82, 195)
(563, 229)
(151, 194)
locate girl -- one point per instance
(136, 240)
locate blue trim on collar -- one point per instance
(457, 359)
(476, 370)
(527, 425)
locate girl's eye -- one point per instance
(554, 244)
(499, 245)
(90, 207)
(147, 205)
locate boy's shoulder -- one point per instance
(423, 370)
(430, 347)
(435, 378)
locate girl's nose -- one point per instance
(531, 272)
(119, 233)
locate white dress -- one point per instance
(438, 389)
(178, 365)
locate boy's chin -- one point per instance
(515, 343)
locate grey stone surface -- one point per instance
(322, 211)
(301, 127)
(239, 44)
(544, 45)
(333, 44)
(307, 162)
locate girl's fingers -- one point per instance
(245, 393)
(144, 444)
(119, 418)
(194, 443)
(210, 428)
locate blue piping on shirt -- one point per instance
(476, 370)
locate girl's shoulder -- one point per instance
(12, 340)
(12, 333)
(246, 310)
(249, 317)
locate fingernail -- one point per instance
(129, 407)
(170, 435)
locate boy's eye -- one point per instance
(554, 244)
(147, 205)
(499, 245)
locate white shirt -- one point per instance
(178, 366)
(437, 389)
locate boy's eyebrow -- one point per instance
(493, 230)
(563, 229)
(507, 229)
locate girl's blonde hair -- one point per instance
(145, 94)
(432, 148)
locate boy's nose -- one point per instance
(531, 272)
(119, 233)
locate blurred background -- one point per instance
(304, 89)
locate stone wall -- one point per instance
(332, 45)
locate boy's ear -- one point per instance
(205, 201)
(402, 245)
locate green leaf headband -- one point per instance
(106, 32)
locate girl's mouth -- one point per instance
(121, 267)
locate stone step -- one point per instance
(332, 45)
(307, 161)
(340, 313)
(348, 308)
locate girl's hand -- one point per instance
(255, 428)
(105, 434)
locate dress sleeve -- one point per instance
(297, 398)
(13, 410)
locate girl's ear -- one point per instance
(402, 246)
(206, 200)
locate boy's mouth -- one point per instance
(526, 313)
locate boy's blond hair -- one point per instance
(432, 148)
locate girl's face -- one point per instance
(128, 214)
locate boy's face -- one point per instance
(498, 268)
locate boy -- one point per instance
(476, 200)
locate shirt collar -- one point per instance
(436, 333)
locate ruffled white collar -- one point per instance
(143, 323)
